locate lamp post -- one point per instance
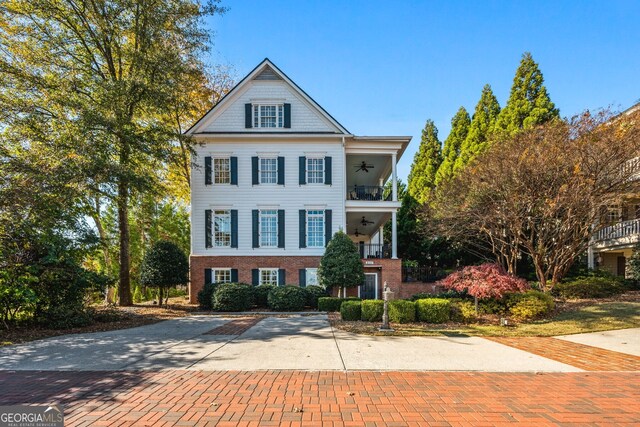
(387, 295)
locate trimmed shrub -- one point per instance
(433, 310)
(261, 294)
(462, 311)
(372, 310)
(589, 287)
(492, 306)
(313, 293)
(351, 310)
(446, 294)
(332, 303)
(205, 295)
(233, 297)
(529, 305)
(402, 311)
(287, 298)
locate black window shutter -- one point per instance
(281, 228)
(207, 276)
(254, 171)
(282, 277)
(207, 171)
(255, 277)
(208, 228)
(256, 241)
(327, 170)
(327, 226)
(233, 163)
(234, 275)
(303, 228)
(303, 170)
(303, 278)
(248, 119)
(280, 170)
(287, 115)
(234, 228)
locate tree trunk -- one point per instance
(124, 287)
(160, 297)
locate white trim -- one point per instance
(213, 270)
(260, 214)
(277, 270)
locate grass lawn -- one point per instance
(571, 317)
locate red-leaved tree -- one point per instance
(484, 281)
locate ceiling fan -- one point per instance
(357, 233)
(363, 167)
(365, 222)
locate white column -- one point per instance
(394, 236)
(591, 258)
(395, 179)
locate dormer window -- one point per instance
(268, 115)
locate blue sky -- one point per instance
(384, 68)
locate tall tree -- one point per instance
(427, 160)
(484, 119)
(103, 75)
(459, 130)
(529, 103)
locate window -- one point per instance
(221, 275)
(269, 276)
(268, 171)
(221, 171)
(267, 116)
(269, 229)
(312, 277)
(315, 171)
(315, 229)
(221, 228)
(614, 214)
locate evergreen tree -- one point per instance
(459, 130)
(484, 118)
(340, 266)
(529, 103)
(164, 266)
(634, 264)
(426, 162)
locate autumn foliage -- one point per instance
(484, 281)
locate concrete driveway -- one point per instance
(296, 342)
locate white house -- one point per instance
(277, 175)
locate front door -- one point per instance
(622, 266)
(369, 289)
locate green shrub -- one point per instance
(529, 305)
(137, 295)
(372, 310)
(287, 298)
(15, 299)
(205, 296)
(402, 311)
(492, 306)
(351, 310)
(261, 295)
(590, 287)
(332, 303)
(313, 293)
(448, 294)
(462, 311)
(433, 310)
(233, 297)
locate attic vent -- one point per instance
(267, 74)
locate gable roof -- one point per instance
(266, 70)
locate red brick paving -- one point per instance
(291, 398)
(579, 355)
(236, 326)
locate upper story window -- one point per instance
(221, 171)
(268, 115)
(222, 228)
(221, 275)
(269, 229)
(268, 276)
(268, 170)
(315, 229)
(315, 170)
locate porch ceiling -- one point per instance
(354, 221)
(381, 169)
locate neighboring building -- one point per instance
(277, 176)
(612, 246)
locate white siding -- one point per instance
(304, 118)
(245, 197)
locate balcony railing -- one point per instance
(375, 250)
(621, 229)
(367, 192)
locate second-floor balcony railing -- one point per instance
(375, 250)
(367, 192)
(621, 229)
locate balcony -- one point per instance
(620, 230)
(374, 250)
(367, 192)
